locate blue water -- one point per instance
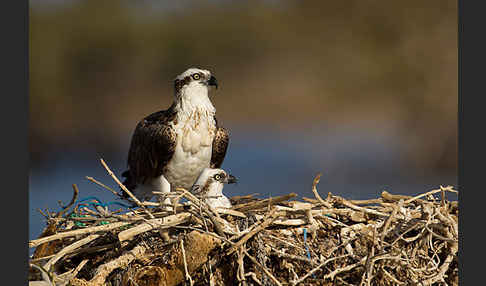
(355, 164)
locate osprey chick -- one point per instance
(209, 187)
(170, 148)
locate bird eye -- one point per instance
(217, 177)
(196, 76)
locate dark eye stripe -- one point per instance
(178, 84)
(219, 176)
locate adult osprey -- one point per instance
(170, 148)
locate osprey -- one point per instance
(170, 148)
(209, 186)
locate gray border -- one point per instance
(460, 166)
(471, 49)
(14, 118)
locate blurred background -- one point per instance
(364, 92)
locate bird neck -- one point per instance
(192, 99)
(215, 189)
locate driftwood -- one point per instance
(390, 240)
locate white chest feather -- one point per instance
(195, 130)
(215, 197)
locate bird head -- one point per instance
(210, 175)
(195, 80)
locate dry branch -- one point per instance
(69, 249)
(148, 225)
(263, 203)
(123, 261)
(266, 222)
(101, 228)
(125, 189)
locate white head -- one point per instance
(209, 186)
(210, 176)
(194, 81)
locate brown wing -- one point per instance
(220, 145)
(153, 144)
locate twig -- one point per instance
(443, 268)
(253, 276)
(71, 203)
(167, 221)
(125, 189)
(43, 213)
(77, 251)
(317, 268)
(104, 186)
(122, 261)
(38, 259)
(78, 268)
(106, 227)
(263, 268)
(211, 277)
(186, 272)
(45, 274)
(244, 197)
(344, 202)
(66, 277)
(392, 277)
(213, 215)
(206, 232)
(295, 257)
(343, 269)
(387, 197)
(266, 222)
(334, 221)
(92, 218)
(94, 249)
(230, 212)
(449, 189)
(263, 203)
(290, 222)
(439, 236)
(412, 227)
(442, 196)
(367, 275)
(241, 268)
(285, 242)
(316, 194)
(366, 202)
(387, 224)
(39, 283)
(69, 249)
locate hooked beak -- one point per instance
(232, 179)
(212, 81)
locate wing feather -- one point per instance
(220, 145)
(152, 146)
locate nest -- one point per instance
(390, 240)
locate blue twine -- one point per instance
(98, 202)
(307, 248)
(305, 243)
(90, 198)
(118, 203)
(108, 204)
(94, 201)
